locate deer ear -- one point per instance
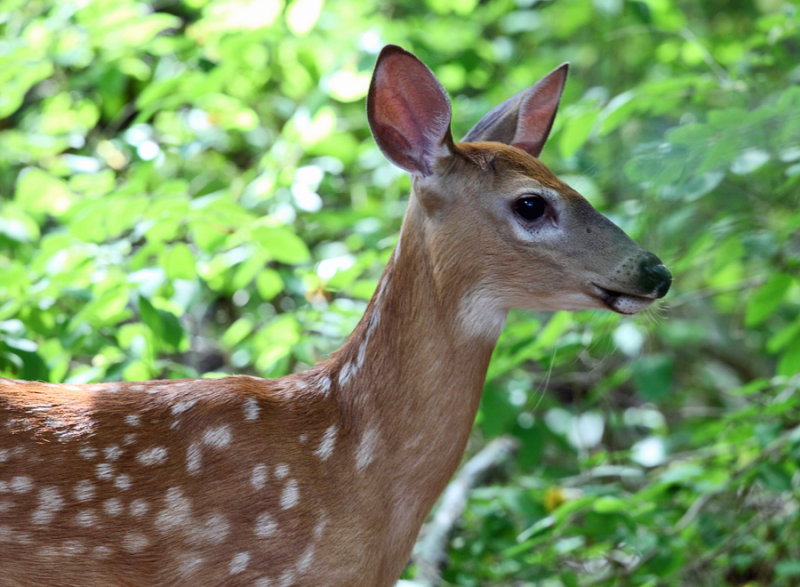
(524, 120)
(408, 111)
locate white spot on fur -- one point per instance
(282, 471)
(479, 315)
(218, 437)
(325, 385)
(290, 494)
(305, 560)
(123, 482)
(50, 503)
(87, 452)
(20, 484)
(86, 518)
(288, 577)
(189, 563)
(182, 406)
(265, 525)
(303, 438)
(362, 353)
(135, 542)
(133, 419)
(101, 552)
(112, 453)
(152, 456)
(84, 490)
(263, 582)
(366, 449)
(327, 443)
(320, 527)
(239, 563)
(374, 319)
(177, 511)
(47, 552)
(73, 548)
(346, 373)
(7, 534)
(194, 458)
(397, 246)
(251, 409)
(215, 529)
(139, 507)
(104, 471)
(112, 506)
(258, 478)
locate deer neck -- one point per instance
(410, 376)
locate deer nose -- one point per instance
(655, 277)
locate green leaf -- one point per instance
(608, 504)
(496, 412)
(276, 340)
(282, 244)
(559, 322)
(163, 324)
(784, 336)
(789, 363)
(269, 284)
(618, 109)
(652, 376)
(39, 192)
(25, 359)
(775, 477)
(767, 299)
(179, 262)
(575, 132)
(789, 568)
(105, 309)
(752, 388)
(237, 332)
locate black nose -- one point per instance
(654, 276)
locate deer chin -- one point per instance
(621, 302)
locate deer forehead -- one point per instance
(488, 174)
(496, 160)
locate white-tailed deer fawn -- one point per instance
(323, 477)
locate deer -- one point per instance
(325, 476)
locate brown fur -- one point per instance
(322, 477)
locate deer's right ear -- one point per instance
(524, 120)
(408, 111)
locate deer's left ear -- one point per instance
(524, 120)
(408, 112)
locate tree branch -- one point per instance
(430, 552)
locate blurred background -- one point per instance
(191, 187)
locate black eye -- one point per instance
(530, 208)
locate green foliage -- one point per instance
(189, 187)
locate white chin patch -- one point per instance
(479, 316)
(622, 302)
(625, 304)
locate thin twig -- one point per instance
(697, 506)
(430, 552)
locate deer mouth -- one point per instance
(621, 302)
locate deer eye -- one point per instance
(530, 208)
